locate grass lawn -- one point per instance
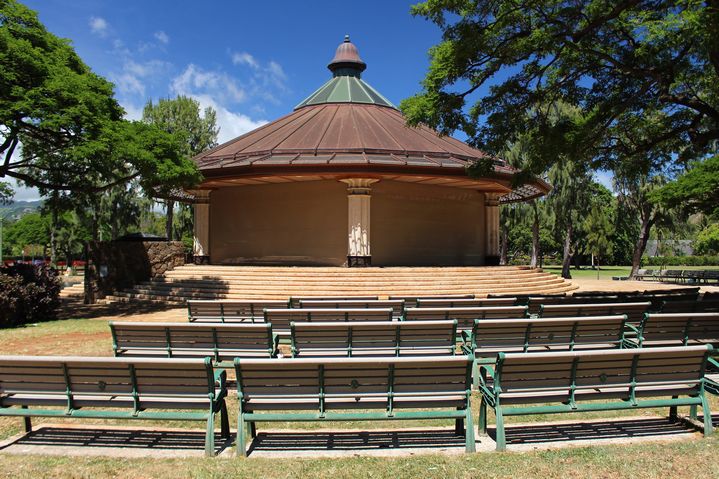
(91, 337)
(607, 272)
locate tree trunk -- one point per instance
(535, 236)
(641, 245)
(53, 228)
(169, 218)
(567, 256)
(503, 244)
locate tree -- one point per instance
(708, 240)
(633, 66)
(181, 116)
(31, 230)
(598, 228)
(49, 99)
(635, 190)
(697, 190)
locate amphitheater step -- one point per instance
(276, 282)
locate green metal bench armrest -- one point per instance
(712, 364)
(275, 344)
(467, 338)
(221, 380)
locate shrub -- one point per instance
(708, 240)
(680, 261)
(28, 294)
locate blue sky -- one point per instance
(251, 61)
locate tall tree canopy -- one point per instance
(181, 117)
(69, 124)
(648, 69)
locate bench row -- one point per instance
(486, 338)
(347, 389)
(228, 311)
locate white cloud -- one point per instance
(162, 37)
(130, 80)
(194, 80)
(128, 84)
(217, 90)
(98, 26)
(244, 58)
(132, 112)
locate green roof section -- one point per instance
(346, 89)
(346, 84)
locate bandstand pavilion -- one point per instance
(342, 180)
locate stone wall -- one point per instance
(115, 265)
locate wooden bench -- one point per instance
(523, 299)
(705, 306)
(374, 338)
(576, 381)
(679, 329)
(281, 318)
(633, 311)
(221, 342)
(491, 337)
(411, 301)
(230, 311)
(464, 316)
(295, 300)
(397, 305)
(114, 388)
(710, 296)
(535, 303)
(465, 303)
(354, 389)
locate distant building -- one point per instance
(669, 248)
(342, 181)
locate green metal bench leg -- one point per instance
(708, 428)
(475, 375)
(210, 436)
(501, 441)
(241, 444)
(483, 417)
(224, 421)
(27, 422)
(469, 432)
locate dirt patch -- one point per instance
(75, 343)
(73, 308)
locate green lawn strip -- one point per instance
(645, 460)
(607, 272)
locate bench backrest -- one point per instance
(75, 382)
(465, 303)
(535, 303)
(281, 318)
(222, 342)
(633, 311)
(711, 296)
(230, 311)
(465, 316)
(490, 337)
(397, 305)
(609, 373)
(680, 328)
(354, 383)
(295, 300)
(374, 338)
(705, 306)
(411, 301)
(524, 298)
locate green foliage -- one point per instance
(697, 190)
(31, 229)
(645, 73)
(680, 261)
(598, 228)
(707, 242)
(28, 294)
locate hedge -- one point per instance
(28, 294)
(680, 261)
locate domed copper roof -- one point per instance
(346, 128)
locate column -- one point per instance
(358, 221)
(201, 240)
(491, 229)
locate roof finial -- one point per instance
(347, 61)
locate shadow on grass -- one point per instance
(356, 441)
(73, 308)
(596, 430)
(46, 437)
